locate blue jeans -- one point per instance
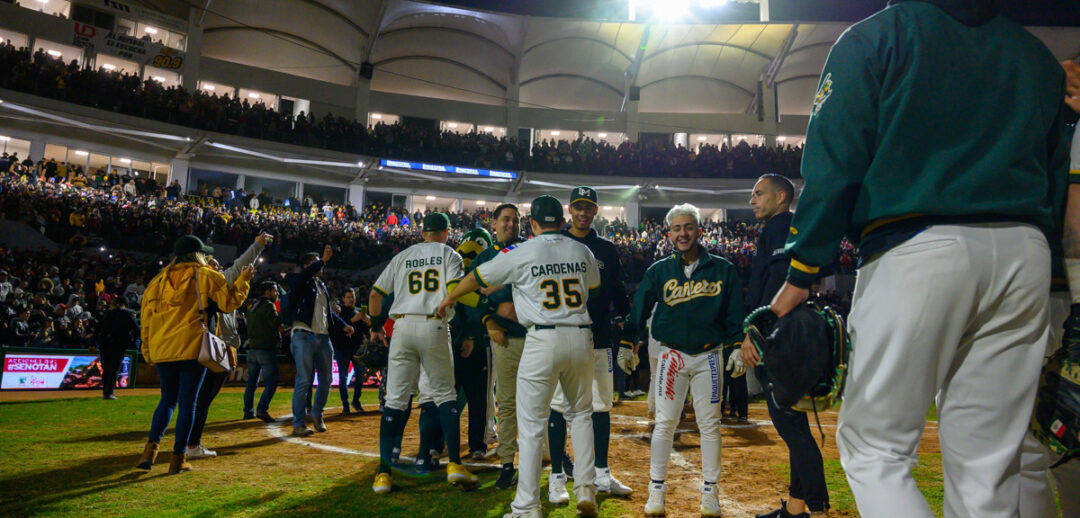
(311, 352)
(180, 382)
(265, 363)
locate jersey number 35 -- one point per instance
(571, 293)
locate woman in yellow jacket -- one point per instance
(172, 335)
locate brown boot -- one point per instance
(149, 453)
(178, 463)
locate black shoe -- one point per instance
(782, 513)
(109, 397)
(345, 409)
(423, 465)
(265, 417)
(568, 467)
(356, 406)
(507, 477)
(248, 415)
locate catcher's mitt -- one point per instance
(372, 355)
(1056, 422)
(807, 353)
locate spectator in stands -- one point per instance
(173, 301)
(19, 327)
(264, 341)
(116, 333)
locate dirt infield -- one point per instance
(752, 481)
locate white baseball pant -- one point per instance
(703, 375)
(654, 355)
(1036, 491)
(603, 386)
(419, 341)
(562, 355)
(960, 312)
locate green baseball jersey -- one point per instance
(693, 314)
(512, 328)
(901, 137)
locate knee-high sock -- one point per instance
(390, 428)
(430, 429)
(601, 427)
(404, 419)
(556, 440)
(449, 418)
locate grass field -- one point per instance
(75, 457)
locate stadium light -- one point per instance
(81, 153)
(481, 202)
(601, 135)
(42, 1)
(781, 139)
(556, 133)
(702, 138)
(54, 53)
(489, 128)
(125, 160)
(209, 88)
(526, 205)
(429, 198)
(160, 79)
(607, 207)
(4, 139)
(109, 66)
(360, 164)
(450, 124)
(150, 30)
(253, 95)
(376, 116)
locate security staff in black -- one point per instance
(583, 209)
(771, 203)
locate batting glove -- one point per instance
(627, 360)
(735, 364)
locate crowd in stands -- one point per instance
(122, 92)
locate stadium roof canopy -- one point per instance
(581, 61)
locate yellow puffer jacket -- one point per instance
(171, 328)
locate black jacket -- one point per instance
(611, 292)
(117, 331)
(768, 268)
(303, 291)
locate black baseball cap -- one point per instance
(583, 193)
(190, 244)
(546, 210)
(435, 222)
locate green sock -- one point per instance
(601, 428)
(449, 419)
(390, 427)
(556, 440)
(430, 432)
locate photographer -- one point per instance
(264, 340)
(345, 348)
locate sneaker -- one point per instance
(506, 477)
(782, 512)
(345, 409)
(533, 513)
(318, 424)
(199, 452)
(586, 501)
(655, 505)
(109, 397)
(248, 415)
(710, 501)
(265, 417)
(606, 483)
(302, 431)
(382, 484)
(456, 474)
(557, 493)
(478, 455)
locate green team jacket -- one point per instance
(512, 328)
(902, 137)
(692, 315)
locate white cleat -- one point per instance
(533, 513)
(557, 493)
(655, 505)
(199, 452)
(710, 501)
(606, 483)
(586, 501)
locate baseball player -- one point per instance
(583, 209)
(954, 237)
(699, 310)
(807, 492)
(552, 276)
(1036, 493)
(417, 277)
(507, 338)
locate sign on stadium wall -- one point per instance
(139, 50)
(58, 371)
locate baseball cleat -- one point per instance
(382, 484)
(655, 505)
(533, 513)
(606, 483)
(710, 500)
(557, 493)
(586, 501)
(506, 477)
(457, 474)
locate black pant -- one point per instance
(211, 385)
(110, 367)
(471, 376)
(807, 468)
(735, 388)
(343, 360)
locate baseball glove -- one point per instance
(806, 353)
(1056, 419)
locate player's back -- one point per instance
(552, 275)
(417, 278)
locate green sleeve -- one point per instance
(839, 149)
(635, 329)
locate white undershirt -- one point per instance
(688, 269)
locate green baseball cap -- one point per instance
(583, 193)
(546, 210)
(190, 244)
(435, 222)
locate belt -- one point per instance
(429, 317)
(542, 327)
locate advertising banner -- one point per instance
(56, 371)
(127, 47)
